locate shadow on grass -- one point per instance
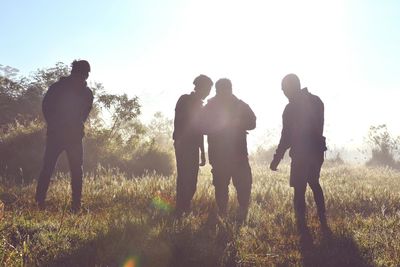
(333, 250)
(110, 249)
(173, 244)
(211, 245)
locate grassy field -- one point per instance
(130, 223)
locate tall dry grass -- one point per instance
(130, 222)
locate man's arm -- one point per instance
(202, 152)
(88, 106)
(321, 117)
(243, 118)
(48, 105)
(179, 117)
(321, 141)
(249, 118)
(285, 140)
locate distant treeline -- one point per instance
(115, 136)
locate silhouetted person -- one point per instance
(226, 120)
(303, 125)
(66, 106)
(188, 140)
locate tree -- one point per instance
(115, 137)
(45, 77)
(123, 110)
(384, 147)
(11, 90)
(21, 97)
(160, 130)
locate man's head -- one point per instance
(202, 86)
(223, 87)
(80, 69)
(291, 86)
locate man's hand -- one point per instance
(274, 164)
(202, 159)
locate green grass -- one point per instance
(130, 222)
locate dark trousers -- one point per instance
(300, 202)
(240, 172)
(307, 171)
(74, 150)
(187, 163)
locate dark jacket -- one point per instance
(66, 106)
(226, 121)
(187, 113)
(303, 126)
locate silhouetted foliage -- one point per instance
(335, 160)
(263, 156)
(22, 149)
(160, 130)
(384, 147)
(123, 111)
(115, 137)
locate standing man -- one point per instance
(226, 120)
(188, 139)
(303, 126)
(66, 107)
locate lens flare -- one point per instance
(162, 203)
(131, 262)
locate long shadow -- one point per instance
(138, 245)
(111, 249)
(333, 250)
(211, 245)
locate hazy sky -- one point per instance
(345, 51)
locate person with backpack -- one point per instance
(302, 133)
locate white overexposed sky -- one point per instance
(345, 51)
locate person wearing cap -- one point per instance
(226, 120)
(66, 106)
(302, 133)
(188, 141)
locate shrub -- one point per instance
(264, 156)
(151, 158)
(21, 151)
(118, 142)
(335, 160)
(22, 148)
(384, 147)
